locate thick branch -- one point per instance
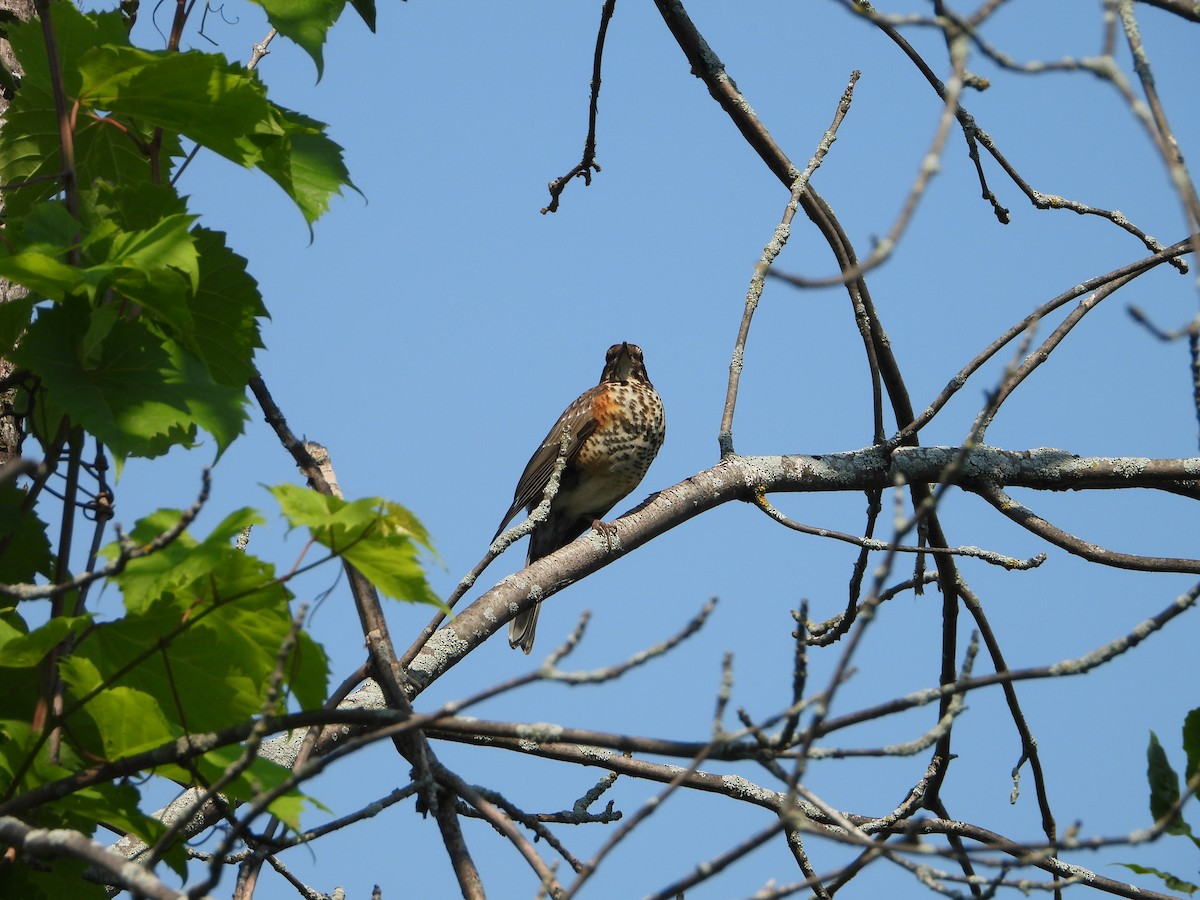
(1188, 9)
(981, 469)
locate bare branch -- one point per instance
(1031, 521)
(772, 250)
(1186, 9)
(588, 163)
(987, 556)
(741, 477)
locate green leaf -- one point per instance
(302, 506)
(309, 676)
(165, 245)
(305, 22)
(82, 810)
(126, 720)
(182, 562)
(15, 315)
(213, 102)
(1164, 787)
(18, 701)
(217, 615)
(308, 166)
(129, 205)
(377, 537)
(225, 108)
(1191, 743)
(126, 93)
(16, 741)
(74, 34)
(365, 9)
(24, 548)
(63, 881)
(36, 248)
(20, 648)
(30, 154)
(41, 273)
(225, 311)
(138, 391)
(117, 805)
(156, 267)
(119, 152)
(1175, 884)
(48, 228)
(205, 660)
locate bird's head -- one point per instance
(623, 362)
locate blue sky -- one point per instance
(434, 328)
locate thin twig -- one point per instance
(987, 556)
(770, 252)
(588, 163)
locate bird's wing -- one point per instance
(532, 486)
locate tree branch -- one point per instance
(742, 477)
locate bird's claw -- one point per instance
(609, 530)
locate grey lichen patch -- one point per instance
(1078, 872)
(714, 482)
(740, 787)
(284, 751)
(830, 470)
(533, 591)
(1130, 467)
(540, 732)
(444, 644)
(923, 697)
(1143, 630)
(598, 753)
(184, 745)
(514, 581)
(1192, 466)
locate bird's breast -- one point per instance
(630, 426)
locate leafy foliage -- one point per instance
(379, 538)
(120, 245)
(1165, 793)
(139, 331)
(25, 549)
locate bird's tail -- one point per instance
(521, 629)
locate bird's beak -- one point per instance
(624, 362)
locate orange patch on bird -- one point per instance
(605, 407)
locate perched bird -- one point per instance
(616, 430)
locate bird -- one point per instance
(617, 428)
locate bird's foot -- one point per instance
(609, 530)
